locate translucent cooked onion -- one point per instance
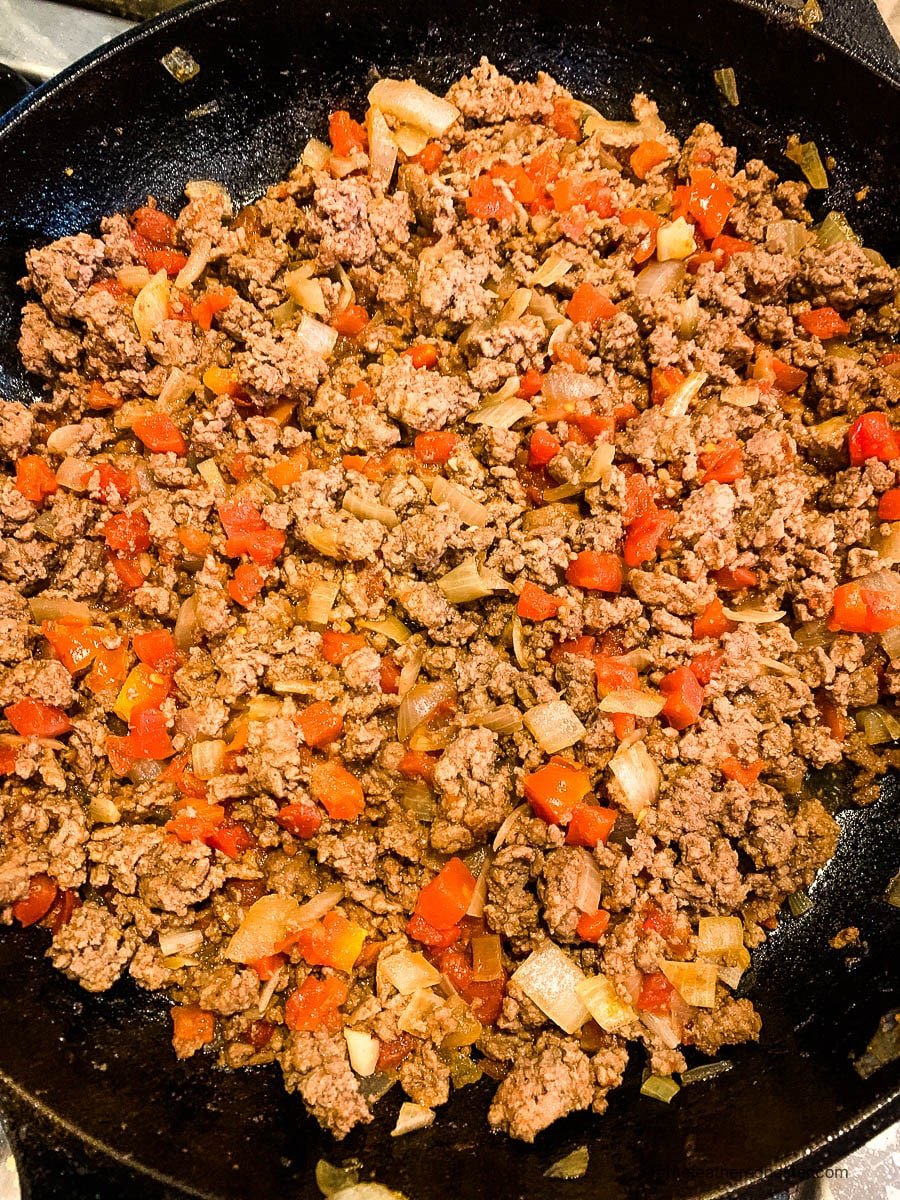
(263, 708)
(424, 740)
(411, 141)
(562, 385)
(180, 941)
(412, 1117)
(660, 1087)
(778, 668)
(470, 511)
(315, 155)
(741, 395)
(887, 545)
(420, 702)
(407, 971)
(878, 724)
(551, 270)
(806, 156)
(471, 580)
(320, 604)
(590, 884)
(133, 278)
(362, 1050)
(814, 633)
(620, 133)
(410, 671)
(695, 982)
(476, 904)
(207, 758)
(123, 418)
(554, 726)
(705, 1071)
(179, 386)
(598, 994)
(487, 958)
(890, 640)
(315, 336)
(689, 317)
(515, 306)
(414, 105)
(503, 832)
(572, 1166)
(196, 264)
(185, 631)
(505, 719)
(501, 414)
(102, 811)
(550, 979)
(382, 148)
(636, 778)
(323, 540)
(637, 704)
(657, 278)
(718, 936)
(751, 614)
(145, 770)
(543, 306)
(265, 924)
(199, 189)
(726, 82)
(418, 798)
(369, 510)
(208, 470)
(556, 515)
(520, 650)
(794, 236)
(306, 291)
(598, 469)
(675, 241)
(679, 403)
(316, 908)
(58, 608)
(71, 472)
(391, 628)
(835, 228)
(151, 306)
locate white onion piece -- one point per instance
(265, 924)
(321, 600)
(362, 1050)
(268, 991)
(320, 904)
(306, 291)
(151, 306)
(410, 672)
(505, 719)
(470, 511)
(658, 278)
(504, 831)
(412, 1117)
(323, 540)
(382, 148)
(590, 885)
(598, 994)
(636, 778)
(407, 971)
(487, 958)
(695, 982)
(479, 896)
(554, 726)
(516, 305)
(471, 581)
(369, 510)
(196, 263)
(179, 386)
(410, 140)
(391, 628)
(315, 336)
(501, 414)
(185, 631)
(197, 189)
(890, 640)
(208, 470)
(664, 1029)
(750, 615)
(315, 155)
(133, 278)
(419, 703)
(551, 270)
(549, 978)
(71, 472)
(678, 404)
(637, 704)
(675, 241)
(414, 105)
(58, 608)
(562, 385)
(180, 941)
(741, 395)
(207, 758)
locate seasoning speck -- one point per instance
(180, 64)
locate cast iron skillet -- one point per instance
(92, 1081)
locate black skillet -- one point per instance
(99, 1105)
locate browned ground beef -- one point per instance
(133, 839)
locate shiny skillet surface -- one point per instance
(96, 1074)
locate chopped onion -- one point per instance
(892, 895)
(411, 141)
(551, 270)
(731, 976)
(590, 884)
(207, 758)
(806, 156)
(418, 798)
(598, 469)
(718, 936)
(412, 1117)
(425, 739)
(621, 133)
(198, 189)
(543, 306)
(504, 831)
(124, 417)
(133, 278)
(468, 1028)
(369, 510)
(598, 994)
(678, 404)
(179, 386)
(414, 105)
(315, 336)
(562, 385)
(58, 608)
(487, 958)
(572, 1166)
(391, 628)
(320, 904)
(323, 540)
(778, 668)
(555, 515)
(505, 719)
(500, 414)
(407, 971)
(263, 708)
(657, 278)
(151, 306)
(705, 1071)
(554, 726)
(890, 640)
(283, 314)
(753, 615)
(471, 581)
(321, 600)
(71, 472)
(362, 1050)
(793, 235)
(814, 633)
(636, 778)
(727, 85)
(550, 979)
(102, 811)
(878, 724)
(62, 439)
(382, 148)
(637, 704)
(660, 1087)
(663, 1028)
(265, 924)
(639, 659)
(470, 511)
(887, 545)
(331, 1179)
(306, 291)
(689, 311)
(315, 155)
(799, 902)
(675, 241)
(695, 982)
(185, 631)
(410, 672)
(479, 896)
(145, 770)
(420, 702)
(180, 941)
(208, 470)
(835, 228)
(196, 263)
(741, 395)
(515, 306)
(518, 643)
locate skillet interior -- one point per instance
(120, 127)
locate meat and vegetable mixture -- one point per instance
(426, 590)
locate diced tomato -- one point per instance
(112, 287)
(230, 839)
(157, 227)
(110, 668)
(651, 221)
(784, 376)
(435, 448)
(283, 474)
(195, 821)
(389, 676)
(339, 792)
(486, 202)
(658, 921)
(316, 1005)
(127, 533)
(34, 479)
(872, 436)
(395, 1052)
(268, 966)
(592, 926)
(534, 604)
(727, 247)
(542, 448)
(889, 505)
(596, 571)
(860, 609)
(590, 304)
(156, 648)
(42, 892)
(192, 1024)
(582, 647)
(59, 914)
(8, 758)
(664, 381)
(444, 900)
(831, 715)
(684, 697)
(565, 353)
(823, 323)
(144, 688)
(555, 790)
(579, 190)
(520, 183)
(34, 718)
(415, 765)
(245, 584)
(646, 156)
(710, 202)
(159, 434)
(74, 645)
(744, 774)
(319, 723)
(655, 995)
(590, 824)
(424, 354)
(127, 570)
(706, 665)
(222, 381)
(111, 483)
(429, 158)
(204, 309)
(178, 772)
(564, 121)
(640, 498)
(263, 545)
(98, 398)
(735, 579)
(346, 135)
(644, 536)
(438, 939)
(148, 735)
(530, 384)
(302, 818)
(158, 258)
(614, 675)
(332, 942)
(336, 646)
(350, 321)
(723, 464)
